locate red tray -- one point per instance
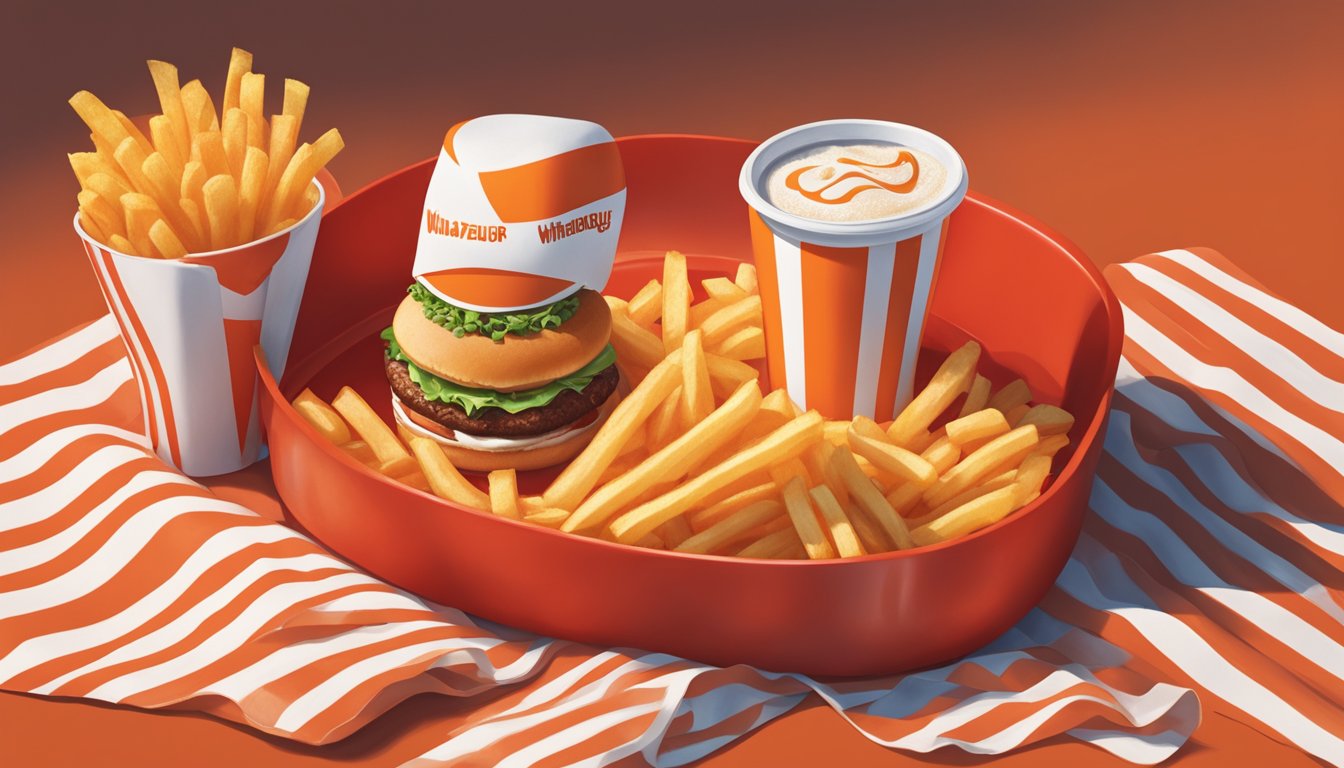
(1036, 304)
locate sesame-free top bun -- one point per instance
(517, 362)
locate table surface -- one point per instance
(1128, 127)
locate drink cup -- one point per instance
(845, 300)
(190, 325)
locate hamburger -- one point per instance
(521, 389)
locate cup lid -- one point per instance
(521, 211)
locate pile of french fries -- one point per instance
(202, 180)
(695, 458)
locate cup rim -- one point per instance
(316, 210)
(868, 230)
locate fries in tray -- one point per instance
(696, 458)
(201, 180)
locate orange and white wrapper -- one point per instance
(845, 302)
(189, 326)
(521, 211)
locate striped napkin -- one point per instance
(1208, 573)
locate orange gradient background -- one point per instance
(1129, 127)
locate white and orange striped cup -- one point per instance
(189, 326)
(845, 301)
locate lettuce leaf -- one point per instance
(472, 399)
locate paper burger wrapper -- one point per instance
(521, 211)
(845, 302)
(190, 325)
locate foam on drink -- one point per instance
(855, 182)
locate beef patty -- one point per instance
(567, 407)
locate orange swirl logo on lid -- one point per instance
(818, 195)
(521, 211)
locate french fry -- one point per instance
(952, 378)
(284, 137)
(1015, 414)
(727, 321)
(1051, 445)
(358, 449)
(786, 442)
(166, 242)
(296, 100)
(199, 109)
(240, 62)
(989, 460)
(697, 399)
(977, 397)
(417, 480)
(1049, 419)
(969, 517)
(326, 147)
(841, 530)
(251, 97)
(166, 85)
(576, 480)
(1001, 480)
(193, 213)
(234, 129)
(443, 478)
(164, 186)
(982, 424)
(665, 423)
(633, 342)
(726, 375)
(647, 305)
(131, 158)
(133, 131)
(942, 454)
(722, 288)
(101, 120)
(88, 164)
(729, 528)
(220, 194)
(898, 462)
(208, 149)
(140, 212)
(1013, 394)
(1030, 477)
(91, 227)
(638, 441)
(122, 245)
(701, 311)
(504, 493)
(805, 523)
(672, 462)
(249, 192)
(744, 344)
(746, 278)
(618, 467)
(676, 300)
(869, 498)
(110, 187)
(373, 430)
(782, 472)
(550, 517)
(165, 143)
(102, 213)
(674, 532)
(704, 518)
(773, 545)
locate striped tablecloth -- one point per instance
(1207, 576)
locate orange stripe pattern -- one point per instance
(554, 185)
(1207, 576)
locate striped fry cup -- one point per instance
(845, 301)
(189, 326)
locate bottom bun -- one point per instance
(522, 459)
